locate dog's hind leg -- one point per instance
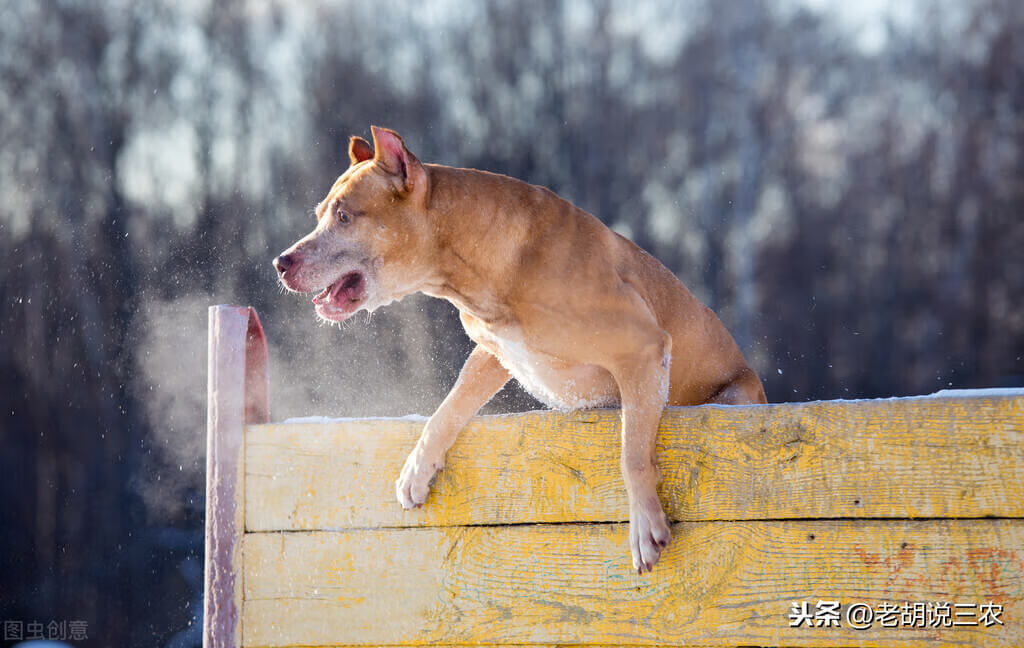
(744, 389)
(480, 379)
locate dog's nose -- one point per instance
(283, 263)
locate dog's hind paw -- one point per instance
(413, 484)
(648, 534)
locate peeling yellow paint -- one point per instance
(778, 504)
(896, 458)
(719, 583)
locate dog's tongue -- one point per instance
(344, 289)
(324, 296)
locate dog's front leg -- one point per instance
(480, 379)
(643, 380)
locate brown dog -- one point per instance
(579, 315)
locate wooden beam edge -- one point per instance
(237, 395)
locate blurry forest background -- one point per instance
(842, 183)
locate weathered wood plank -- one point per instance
(720, 583)
(896, 458)
(237, 395)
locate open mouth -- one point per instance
(343, 297)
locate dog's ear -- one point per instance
(358, 150)
(394, 158)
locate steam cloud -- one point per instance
(401, 360)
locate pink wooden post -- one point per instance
(237, 394)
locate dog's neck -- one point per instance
(474, 242)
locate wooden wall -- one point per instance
(523, 539)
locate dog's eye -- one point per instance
(341, 214)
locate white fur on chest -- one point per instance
(555, 383)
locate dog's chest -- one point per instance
(508, 344)
(549, 379)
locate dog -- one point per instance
(579, 315)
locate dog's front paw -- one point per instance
(648, 533)
(413, 484)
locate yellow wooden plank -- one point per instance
(720, 583)
(919, 457)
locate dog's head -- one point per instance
(370, 235)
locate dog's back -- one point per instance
(541, 252)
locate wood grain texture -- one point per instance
(896, 458)
(720, 583)
(237, 395)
